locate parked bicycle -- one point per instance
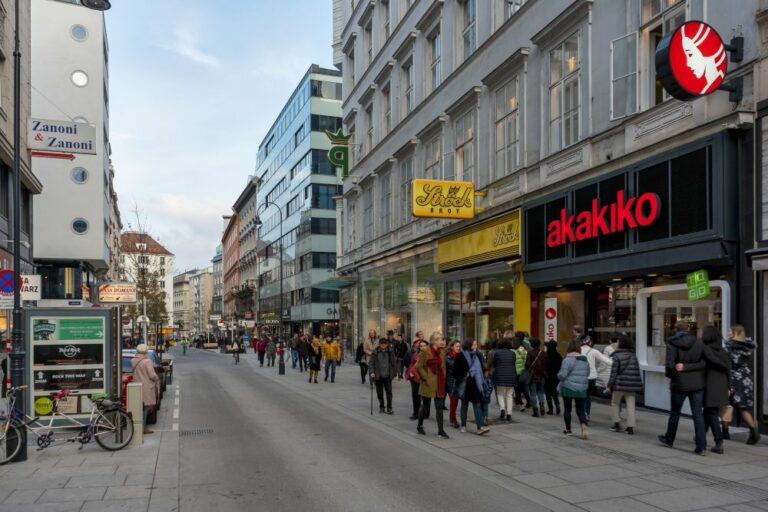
(108, 424)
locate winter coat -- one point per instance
(604, 371)
(504, 366)
(574, 376)
(331, 351)
(302, 347)
(717, 376)
(429, 385)
(741, 372)
(520, 354)
(450, 381)
(685, 348)
(144, 372)
(554, 362)
(315, 353)
(401, 349)
(466, 387)
(625, 372)
(595, 358)
(261, 346)
(536, 362)
(382, 364)
(368, 348)
(271, 348)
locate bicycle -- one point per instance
(110, 426)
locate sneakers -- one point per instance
(718, 448)
(503, 415)
(463, 430)
(381, 410)
(701, 453)
(550, 412)
(584, 431)
(522, 408)
(483, 431)
(420, 430)
(443, 435)
(509, 418)
(455, 424)
(663, 440)
(630, 431)
(616, 428)
(567, 432)
(390, 411)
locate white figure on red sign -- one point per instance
(707, 66)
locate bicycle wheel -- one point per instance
(113, 430)
(10, 441)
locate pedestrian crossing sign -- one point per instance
(698, 285)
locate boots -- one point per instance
(616, 427)
(718, 448)
(557, 409)
(503, 414)
(535, 412)
(754, 436)
(726, 433)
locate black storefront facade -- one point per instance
(612, 253)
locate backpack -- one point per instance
(487, 389)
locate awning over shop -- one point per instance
(499, 267)
(334, 284)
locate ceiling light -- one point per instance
(616, 279)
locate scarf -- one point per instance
(434, 365)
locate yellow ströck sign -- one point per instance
(443, 199)
(492, 240)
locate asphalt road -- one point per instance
(250, 443)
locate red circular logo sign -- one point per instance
(550, 313)
(696, 58)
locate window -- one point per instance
(79, 33)
(320, 163)
(162, 260)
(386, 205)
(386, 108)
(511, 7)
(351, 67)
(368, 214)
(368, 43)
(432, 160)
(652, 8)
(352, 222)
(323, 260)
(385, 20)
(409, 96)
(79, 78)
(322, 196)
(321, 295)
(368, 128)
(323, 226)
(564, 102)
(506, 129)
(624, 76)
(435, 46)
(294, 205)
(468, 28)
(464, 128)
(668, 21)
(328, 90)
(321, 123)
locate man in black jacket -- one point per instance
(382, 368)
(685, 367)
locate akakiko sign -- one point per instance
(625, 213)
(64, 136)
(691, 61)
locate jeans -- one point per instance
(382, 386)
(580, 411)
(553, 397)
(302, 363)
(261, 358)
(536, 392)
(294, 358)
(712, 422)
(628, 397)
(416, 399)
(521, 391)
(480, 409)
(330, 363)
(424, 411)
(696, 401)
(363, 371)
(505, 397)
(270, 359)
(146, 415)
(590, 390)
(453, 405)
(399, 367)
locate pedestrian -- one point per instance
(271, 351)
(145, 374)
(717, 377)
(413, 377)
(302, 349)
(521, 390)
(596, 360)
(554, 361)
(236, 351)
(331, 354)
(536, 363)
(315, 355)
(292, 343)
(574, 382)
(684, 367)
(624, 382)
(401, 349)
(505, 377)
(454, 349)
(383, 370)
(360, 359)
(468, 372)
(261, 349)
(604, 370)
(742, 385)
(431, 369)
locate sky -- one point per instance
(194, 87)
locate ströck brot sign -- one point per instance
(63, 136)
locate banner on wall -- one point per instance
(550, 318)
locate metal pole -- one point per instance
(18, 356)
(144, 320)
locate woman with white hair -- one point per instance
(144, 372)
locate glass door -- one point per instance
(468, 309)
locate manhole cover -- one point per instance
(195, 432)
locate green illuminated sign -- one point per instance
(698, 285)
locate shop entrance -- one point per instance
(481, 309)
(659, 308)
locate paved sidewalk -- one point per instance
(609, 472)
(134, 479)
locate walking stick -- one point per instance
(371, 381)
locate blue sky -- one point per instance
(194, 86)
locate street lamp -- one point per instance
(257, 222)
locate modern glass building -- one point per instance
(297, 184)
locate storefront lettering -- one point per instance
(506, 234)
(628, 213)
(434, 197)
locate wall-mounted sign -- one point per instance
(30, 287)
(65, 378)
(62, 136)
(68, 329)
(628, 213)
(698, 285)
(338, 155)
(491, 240)
(443, 199)
(691, 61)
(550, 318)
(120, 293)
(68, 355)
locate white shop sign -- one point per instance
(62, 136)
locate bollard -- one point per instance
(134, 405)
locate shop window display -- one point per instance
(495, 312)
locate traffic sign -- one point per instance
(7, 285)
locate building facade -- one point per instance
(245, 209)
(114, 232)
(200, 301)
(140, 252)
(182, 302)
(296, 186)
(553, 111)
(70, 91)
(218, 281)
(230, 240)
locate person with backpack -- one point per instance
(554, 361)
(717, 383)
(536, 365)
(236, 351)
(469, 374)
(574, 382)
(624, 382)
(504, 367)
(383, 370)
(431, 369)
(413, 377)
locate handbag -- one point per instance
(526, 376)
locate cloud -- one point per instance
(186, 42)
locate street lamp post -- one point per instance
(264, 206)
